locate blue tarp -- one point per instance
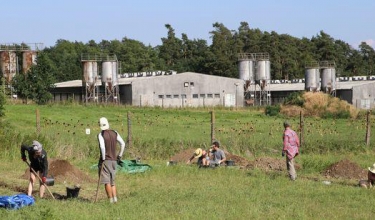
(16, 201)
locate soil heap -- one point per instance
(345, 169)
(64, 172)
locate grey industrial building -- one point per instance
(197, 90)
(165, 90)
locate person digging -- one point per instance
(38, 166)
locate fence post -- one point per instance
(212, 126)
(368, 127)
(300, 128)
(37, 122)
(129, 139)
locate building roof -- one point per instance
(300, 86)
(341, 85)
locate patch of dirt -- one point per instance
(270, 164)
(345, 169)
(13, 187)
(64, 172)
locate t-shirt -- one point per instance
(218, 155)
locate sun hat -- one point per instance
(37, 146)
(198, 152)
(103, 123)
(372, 169)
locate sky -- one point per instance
(46, 21)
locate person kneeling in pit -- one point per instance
(369, 183)
(202, 156)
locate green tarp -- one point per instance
(129, 166)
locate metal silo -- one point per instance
(8, 65)
(107, 69)
(90, 72)
(114, 73)
(312, 79)
(263, 70)
(328, 79)
(28, 59)
(246, 70)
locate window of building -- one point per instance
(195, 96)
(186, 84)
(202, 95)
(168, 96)
(183, 96)
(161, 96)
(192, 84)
(175, 96)
(217, 95)
(210, 95)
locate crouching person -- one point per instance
(369, 183)
(202, 156)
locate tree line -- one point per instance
(288, 54)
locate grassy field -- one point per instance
(182, 191)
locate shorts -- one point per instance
(108, 174)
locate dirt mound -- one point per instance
(345, 169)
(64, 172)
(184, 155)
(267, 164)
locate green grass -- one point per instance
(186, 192)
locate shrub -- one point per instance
(272, 110)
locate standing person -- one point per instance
(291, 149)
(108, 157)
(369, 183)
(203, 159)
(38, 163)
(218, 155)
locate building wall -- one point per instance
(187, 90)
(364, 96)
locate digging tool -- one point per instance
(97, 188)
(36, 174)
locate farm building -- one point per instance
(196, 90)
(169, 90)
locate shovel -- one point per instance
(32, 170)
(97, 188)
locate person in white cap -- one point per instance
(369, 183)
(38, 162)
(109, 158)
(202, 156)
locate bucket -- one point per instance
(229, 162)
(50, 181)
(171, 163)
(72, 192)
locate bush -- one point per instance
(272, 110)
(295, 98)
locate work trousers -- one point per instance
(290, 167)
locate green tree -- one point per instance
(37, 82)
(2, 97)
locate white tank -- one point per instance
(328, 79)
(312, 79)
(246, 70)
(107, 69)
(90, 72)
(114, 74)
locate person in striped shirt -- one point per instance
(290, 149)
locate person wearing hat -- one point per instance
(290, 149)
(109, 158)
(202, 157)
(38, 162)
(218, 155)
(369, 183)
